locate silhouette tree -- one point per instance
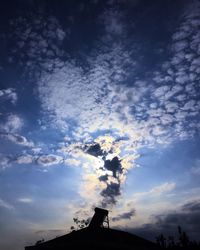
(39, 242)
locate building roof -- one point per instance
(101, 238)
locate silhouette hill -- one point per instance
(96, 236)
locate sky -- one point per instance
(99, 106)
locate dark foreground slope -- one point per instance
(101, 238)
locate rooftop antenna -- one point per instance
(99, 219)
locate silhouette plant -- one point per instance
(183, 238)
(79, 224)
(183, 242)
(39, 242)
(171, 242)
(161, 241)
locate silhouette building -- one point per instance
(99, 219)
(96, 236)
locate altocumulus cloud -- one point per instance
(25, 159)
(48, 160)
(118, 108)
(37, 160)
(13, 123)
(114, 107)
(17, 139)
(144, 112)
(8, 94)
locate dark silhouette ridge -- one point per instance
(96, 236)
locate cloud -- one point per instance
(8, 94)
(16, 138)
(72, 162)
(123, 110)
(109, 104)
(44, 160)
(180, 45)
(50, 234)
(113, 24)
(110, 194)
(94, 149)
(60, 34)
(104, 170)
(193, 206)
(113, 165)
(110, 170)
(186, 216)
(126, 118)
(25, 200)
(48, 160)
(196, 169)
(124, 216)
(4, 161)
(36, 150)
(166, 187)
(25, 159)
(113, 103)
(12, 124)
(157, 190)
(6, 205)
(40, 46)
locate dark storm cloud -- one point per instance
(192, 206)
(103, 177)
(110, 193)
(187, 217)
(124, 216)
(94, 150)
(112, 189)
(113, 165)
